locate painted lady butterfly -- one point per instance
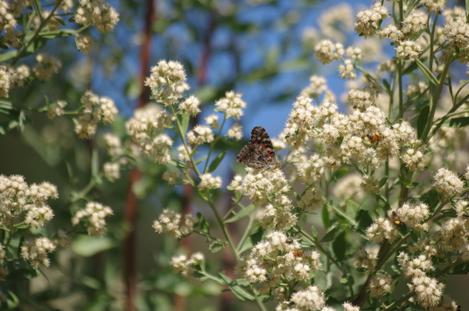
(259, 152)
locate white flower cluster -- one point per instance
(146, 128)
(362, 137)
(46, 66)
(93, 216)
(456, 29)
(434, 5)
(278, 259)
(327, 51)
(309, 299)
(317, 86)
(114, 148)
(447, 183)
(56, 109)
(199, 135)
(428, 291)
(184, 264)
(36, 252)
(380, 285)
(97, 13)
(173, 223)
(414, 23)
(454, 235)
(231, 105)
(95, 109)
(235, 132)
(190, 105)
(413, 215)
(11, 77)
(167, 82)
(408, 50)
(22, 202)
(270, 189)
(209, 182)
(111, 171)
(368, 21)
(381, 229)
(360, 99)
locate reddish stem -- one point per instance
(131, 206)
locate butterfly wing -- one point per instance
(259, 152)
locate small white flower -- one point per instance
(209, 182)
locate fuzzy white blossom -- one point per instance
(46, 66)
(231, 105)
(381, 229)
(447, 183)
(199, 135)
(93, 216)
(235, 132)
(380, 285)
(346, 70)
(95, 109)
(167, 82)
(111, 171)
(190, 105)
(408, 50)
(368, 21)
(428, 291)
(308, 299)
(184, 264)
(96, 13)
(327, 51)
(209, 182)
(36, 252)
(173, 223)
(413, 215)
(415, 22)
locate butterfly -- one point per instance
(259, 152)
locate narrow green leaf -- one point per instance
(88, 246)
(241, 214)
(364, 219)
(459, 122)
(326, 220)
(185, 123)
(422, 120)
(427, 72)
(339, 246)
(8, 55)
(213, 166)
(330, 234)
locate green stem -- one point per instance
(212, 145)
(246, 233)
(434, 101)
(36, 33)
(322, 250)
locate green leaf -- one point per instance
(422, 120)
(430, 197)
(331, 233)
(246, 211)
(206, 94)
(213, 166)
(339, 246)
(326, 220)
(185, 122)
(427, 72)
(8, 55)
(237, 290)
(459, 122)
(89, 245)
(364, 219)
(216, 246)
